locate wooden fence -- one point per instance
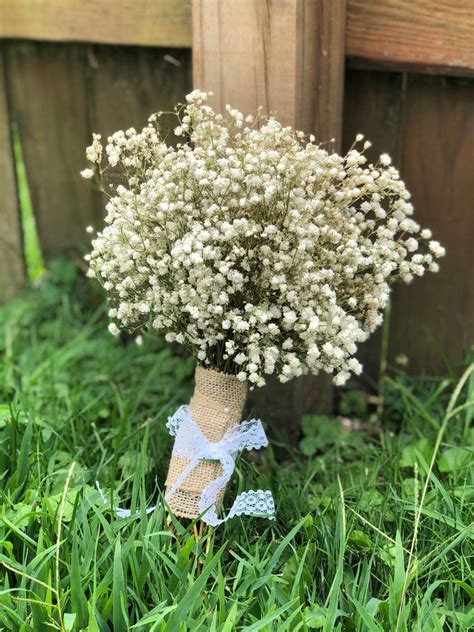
(405, 68)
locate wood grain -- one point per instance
(134, 22)
(321, 78)
(48, 101)
(287, 56)
(433, 319)
(373, 106)
(141, 80)
(427, 125)
(59, 96)
(12, 269)
(432, 36)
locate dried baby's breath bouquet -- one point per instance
(254, 247)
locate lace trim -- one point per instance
(190, 442)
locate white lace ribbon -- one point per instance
(121, 513)
(191, 443)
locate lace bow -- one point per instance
(192, 444)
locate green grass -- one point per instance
(34, 263)
(374, 530)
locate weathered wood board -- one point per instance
(420, 35)
(427, 125)
(433, 318)
(373, 103)
(286, 57)
(427, 35)
(48, 102)
(139, 22)
(59, 95)
(141, 80)
(289, 58)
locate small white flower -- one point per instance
(341, 378)
(114, 330)
(240, 358)
(437, 249)
(87, 174)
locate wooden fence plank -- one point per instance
(141, 80)
(139, 22)
(435, 315)
(373, 105)
(247, 54)
(288, 57)
(398, 34)
(12, 269)
(48, 101)
(59, 95)
(413, 34)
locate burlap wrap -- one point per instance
(216, 406)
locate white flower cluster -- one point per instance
(251, 245)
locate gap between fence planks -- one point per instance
(423, 35)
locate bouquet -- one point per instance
(258, 250)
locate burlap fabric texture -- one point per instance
(216, 405)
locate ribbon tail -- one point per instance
(207, 503)
(253, 503)
(121, 513)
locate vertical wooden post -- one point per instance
(287, 56)
(12, 269)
